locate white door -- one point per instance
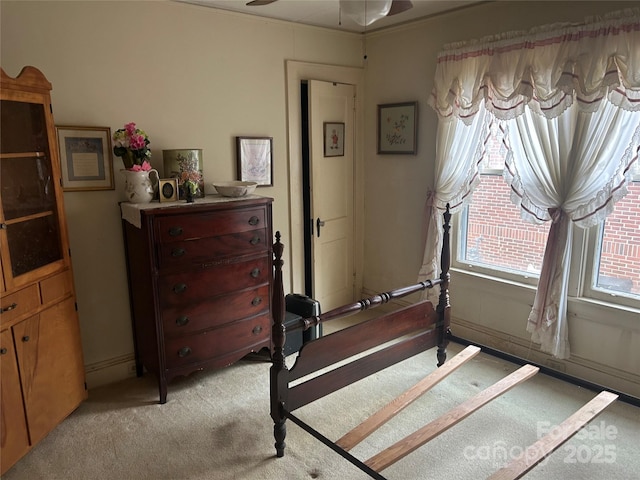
(331, 107)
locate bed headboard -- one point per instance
(358, 351)
(279, 330)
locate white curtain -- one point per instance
(568, 99)
(459, 150)
(566, 169)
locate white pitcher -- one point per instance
(137, 185)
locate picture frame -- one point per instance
(398, 128)
(86, 158)
(255, 160)
(168, 190)
(333, 139)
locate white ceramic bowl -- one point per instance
(235, 188)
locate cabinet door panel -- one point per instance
(33, 243)
(30, 190)
(51, 366)
(14, 441)
(24, 127)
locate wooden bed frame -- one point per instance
(404, 332)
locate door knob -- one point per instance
(319, 223)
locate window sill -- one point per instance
(589, 309)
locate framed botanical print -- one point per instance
(398, 128)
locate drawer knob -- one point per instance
(256, 330)
(254, 220)
(182, 320)
(255, 240)
(256, 301)
(179, 288)
(9, 308)
(178, 252)
(184, 351)
(3, 351)
(175, 231)
(25, 338)
(255, 273)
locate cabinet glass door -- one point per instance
(27, 192)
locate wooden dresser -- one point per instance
(200, 282)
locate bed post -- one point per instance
(443, 308)
(278, 369)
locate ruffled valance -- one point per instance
(546, 68)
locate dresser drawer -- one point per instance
(173, 228)
(185, 288)
(19, 303)
(188, 252)
(199, 348)
(216, 311)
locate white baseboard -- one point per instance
(587, 370)
(110, 371)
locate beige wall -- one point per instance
(400, 66)
(191, 77)
(194, 77)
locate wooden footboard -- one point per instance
(337, 360)
(403, 333)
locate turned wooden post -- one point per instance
(443, 308)
(278, 370)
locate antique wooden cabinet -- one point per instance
(41, 363)
(200, 282)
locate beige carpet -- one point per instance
(216, 425)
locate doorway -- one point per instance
(328, 191)
(299, 220)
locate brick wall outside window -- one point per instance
(497, 237)
(620, 257)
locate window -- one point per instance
(495, 241)
(615, 271)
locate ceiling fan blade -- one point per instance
(399, 6)
(257, 3)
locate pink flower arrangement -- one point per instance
(132, 144)
(145, 167)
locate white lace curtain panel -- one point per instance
(567, 99)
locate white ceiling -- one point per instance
(326, 13)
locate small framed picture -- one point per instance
(85, 158)
(398, 128)
(333, 139)
(168, 190)
(255, 160)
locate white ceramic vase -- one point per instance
(138, 186)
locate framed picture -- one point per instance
(85, 158)
(333, 139)
(255, 160)
(398, 128)
(168, 190)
